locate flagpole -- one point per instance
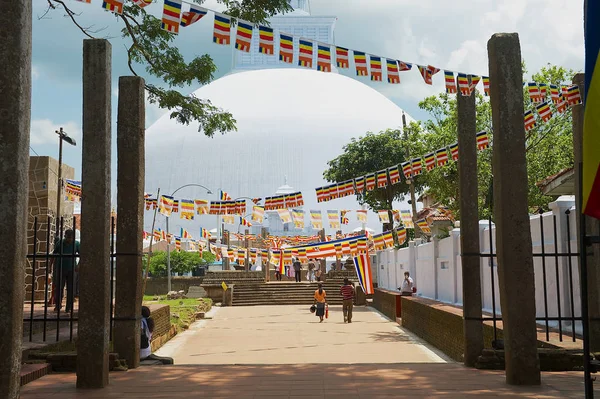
(150, 247)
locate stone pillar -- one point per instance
(15, 115)
(513, 232)
(469, 228)
(94, 275)
(131, 122)
(592, 225)
(228, 296)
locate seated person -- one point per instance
(146, 339)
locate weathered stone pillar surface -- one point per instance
(592, 225)
(94, 271)
(130, 190)
(469, 228)
(513, 233)
(15, 115)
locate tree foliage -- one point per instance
(152, 48)
(181, 262)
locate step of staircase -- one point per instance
(284, 293)
(32, 372)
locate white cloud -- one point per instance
(43, 131)
(35, 72)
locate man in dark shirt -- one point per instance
(64, 267)
(297, 268)
(347, 292)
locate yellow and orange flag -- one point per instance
(591, 126)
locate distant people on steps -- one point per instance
(297, 269)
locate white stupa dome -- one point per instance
(290, 123)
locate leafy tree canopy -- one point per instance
(181, 262)
(151, 48)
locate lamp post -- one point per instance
(62, 136)
(208, 191)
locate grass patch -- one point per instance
(183, 311)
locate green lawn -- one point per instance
(182, 310)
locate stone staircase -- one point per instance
(284, 293)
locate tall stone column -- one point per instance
(15, 115)
(94, 271)
(469, 227)
(513, 232)
(131, 121)
(592, 225)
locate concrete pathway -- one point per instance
(292, 335)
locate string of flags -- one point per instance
(227, 29)
(561, 98)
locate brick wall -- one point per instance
(161, 314)
(386, 302)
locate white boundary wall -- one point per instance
(437, 271)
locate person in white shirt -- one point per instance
(408, 285)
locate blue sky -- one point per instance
(450, 35)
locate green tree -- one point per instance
(181, 262)
(151, 48)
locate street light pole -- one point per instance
(62, 135)
(208, 191)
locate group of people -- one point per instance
(314, 271)
(347, 293)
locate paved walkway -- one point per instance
(292, 335)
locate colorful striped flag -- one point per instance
(544, 111)
(376, 71)
(362, 264)
(359, 184)
(427, 73)
(555, 94)
(441, 156)
(286, 48)
(474, 82)
(178, 243)
(561, 107)
(361, 215)
(202, 207)
(305, 56)
(406, 218)
(298, 217)
(486, 85)
(404, 66)
(360, 62)
(394, 172)
(284, 215)
(224, 196)
(417, 166)
(115, 6)
(315, 219)
(195, 14)
(407, 169)
(323, 58)
(591, 125)
(430, 161)
(266, 42)
(370, 182)
(401, 234)
(534, 92)
(450, 82)
(184, 233)
(573, 95)
(343, 218)
(388, 239)
(171, 17)
(424, 226)
(543, 90)
(382, 178)
(393, 75)
(244, 222)
(483, 140)
(384, 216)
(139, 3)
(334, 218)
(243, 37)
(341, 57)
(258, 213)
(187, 210)
(529, 120)
(454, 151)
(221, 32)
(463, 84)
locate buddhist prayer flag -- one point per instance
(298, 217)
(360, 62)
(486, 85)
(221, 32)
(454, 151)
(591, 125)
(555, 94)
(529, 120)
(171, 16)
(185, 233)
(394, 172)
(323, 58)
(561, 107)
(463, 84)
(165, 205)
(427, 73)
(156, 235)
(401, 234)
(139, 3)
(258, 213)
(178, 243)
(450, 83)
(224, 196)
(544, 111)
(115, 6)
(406, 218)
(534, 92)
(376, 73)
(430, 161)
(424, 226)
(266, 41)
(388, 239)
(362, 264)
(244, 222)
(474, 82)
(286, 48)
(370, 181)
(396, 215)
(187, 209)
(243, 38)
(382, 178)
(573, 95)
(417, 166)
(320, 194)
(305, 56)
(361, 215)
(359, 184)
(392, 71)
(483, 140)
(441, 156)
(284, 215)
(343, 218)
(334, 219)
(341, 57)
(384, 216)
(193, 15)
(543, 90)
(407, 169)
(315, 219)
(404, 66)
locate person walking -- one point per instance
(64, 269)
(297, 269)
(321, 301)
(347, 292)
(311, 272)
(408, 285)
(318, 271)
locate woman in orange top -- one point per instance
(320, 301)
